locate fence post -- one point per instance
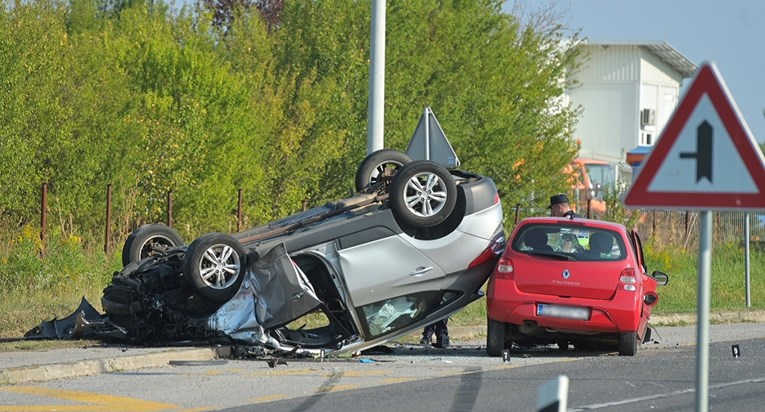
(517, 212)
(239, 212)
(108, 231)
(43, 217)
(170, 208)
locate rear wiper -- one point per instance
(556, 255)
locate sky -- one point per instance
(729, 33)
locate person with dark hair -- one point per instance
(536, 239)
(559, 207)
(601, 244)
(570, 244)
(441, 332)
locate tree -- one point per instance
(132, 94)
(322, 60)
(225, 11)
(35, 67)
(493, 83)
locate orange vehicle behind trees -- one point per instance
(591, 180)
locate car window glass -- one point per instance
(639, 250)
(393, 314)
(602, 176)
(568, 240)
(605, 245)
(534, 238)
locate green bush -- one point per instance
(65, 263)
(34, 288)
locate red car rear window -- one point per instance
(580, 242)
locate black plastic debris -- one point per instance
(84, 322)
(378, 350)
(735, 351)
(276, 361)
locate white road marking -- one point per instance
(660, 396)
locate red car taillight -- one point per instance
(627, 280)
(505, 269)
(495, 248)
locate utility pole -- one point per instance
(375, 114)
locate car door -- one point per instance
(390, 283)
(637, 248)
(649, 283)
(282, 289)
(386, 268)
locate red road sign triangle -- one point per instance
(658, 185)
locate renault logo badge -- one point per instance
(566, 274)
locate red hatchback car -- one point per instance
(577, 281)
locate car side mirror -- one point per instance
(661, 277)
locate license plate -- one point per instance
(565, 312)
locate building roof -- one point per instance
(667, 53)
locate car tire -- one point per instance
(377, 164)
(214, 265)
(495, 337)
(423, 194)
(148, 240)
(628, 344)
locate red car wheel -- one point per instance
(628, 344)
(495, 337)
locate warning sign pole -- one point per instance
(702, 314)
(706, 159)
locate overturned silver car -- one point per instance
(413, 246)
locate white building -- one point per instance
(627, 91)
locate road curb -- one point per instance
(674, 319)
(38, 373)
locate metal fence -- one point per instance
(680, 228)
(108, 223)
(677, 227)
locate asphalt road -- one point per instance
(659, 380)
(460, 378)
